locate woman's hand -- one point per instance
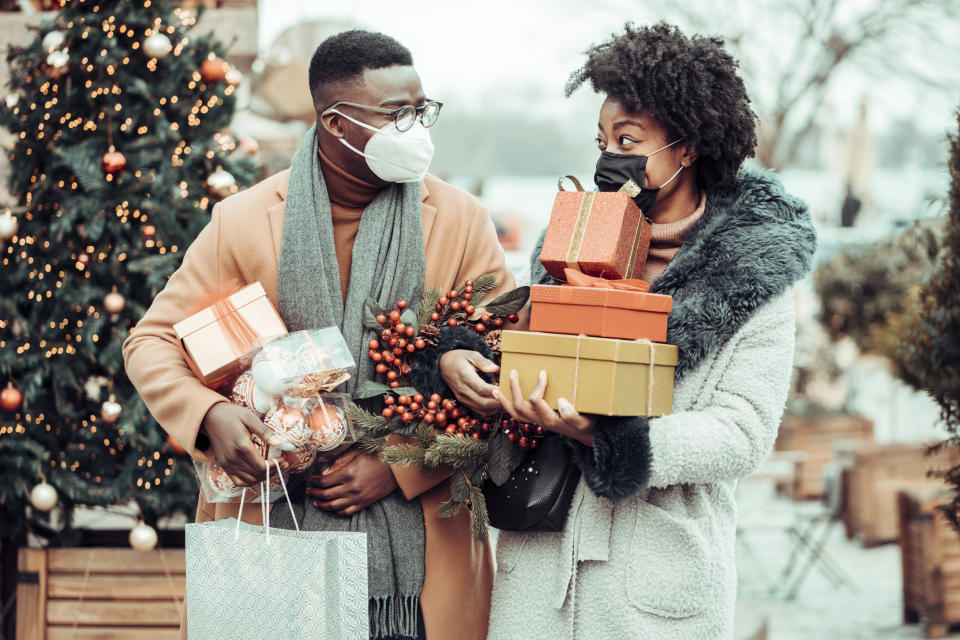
(567, 421)
(460, 370)
(352, 483)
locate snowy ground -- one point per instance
(871, 611)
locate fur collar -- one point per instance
(754, 242)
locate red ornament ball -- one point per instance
(214, 69)
(113, 161)
(11, 398)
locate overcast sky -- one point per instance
(521, 50)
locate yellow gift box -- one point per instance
(598, 375)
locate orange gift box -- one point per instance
(219, 339)
(599, 312)
(602, 234)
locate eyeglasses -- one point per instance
(405, 116)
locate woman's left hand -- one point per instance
(567, 421)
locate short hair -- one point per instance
(691, 86)
(342, 57)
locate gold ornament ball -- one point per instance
(157, 46)
(8, 226)
(113, 161)
(114, 302)
(214, 69)
(110, 410)
(10, 398)
(221, 183)
(43, 497)
(143, 537)
(52, 41)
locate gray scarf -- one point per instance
(388, 264)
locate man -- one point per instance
(357, 189)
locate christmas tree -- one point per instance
(928, 353)
(122, 151)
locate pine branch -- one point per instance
(403, 454)
(424, 435)
(449, 508)
(481, 286)
(479, 518)
(370, 444)
(427, 304)
(457, 452)
(367, 422)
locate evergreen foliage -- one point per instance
(85, 231)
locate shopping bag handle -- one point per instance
(264, 509)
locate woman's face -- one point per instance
(638, 133)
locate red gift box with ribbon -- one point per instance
(602, 234)
(218, 340)
(602, 308)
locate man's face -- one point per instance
(387, 88)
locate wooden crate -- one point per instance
(98, 592)
(877, 474)
(816, 438)
(930, 554)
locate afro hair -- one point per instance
(344, 56)
(689, 85)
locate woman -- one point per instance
(648, 546)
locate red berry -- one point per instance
(512, 436)
(452, 322)
(407, 417)
(401, 304)
(523, 442)
(469, 309)
(394, 384)
(394, 315)
(411, 332)
(385, 334)
(376, 356)
(447, 404)
(391, 375)
(388, 412)
(381, 368)
(468, 286)
(411, 348)
(485, 427)
(404, 399)
(428, 418)
(467, 296)
(451, 430)
(513, 317)
(441, 417)
(480, 327)
(435, 397)
(419, 343)
(455, 412)
(442, 301)
(453, 294)
(418, 397)
(388, 356)
(402, 343)
(539, 430)
(400, 328)
(381, 319)
(497, 322)
(405, 369)
(534, 444)
(461, 422)
(373, 344)
(414, 406)
(434, 316)
(475, 436)
(526, 428)
(455, 305)
(389, 400)
(432, 405)
(485, 318)
(397, 351)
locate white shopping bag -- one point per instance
(249, 582)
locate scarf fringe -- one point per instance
(394, 616)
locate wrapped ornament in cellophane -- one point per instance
(288, 387)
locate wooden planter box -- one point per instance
(816, 439)
(875, 478)
(97, 592)
(930, 552)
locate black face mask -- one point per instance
(614, 170)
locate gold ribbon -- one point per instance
(573, 179)
(578, 231)
(616, 358)
(240, 334)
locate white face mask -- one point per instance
(393, 155)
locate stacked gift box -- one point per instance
(600, 336)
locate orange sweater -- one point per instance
(665, 241)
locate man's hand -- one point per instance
(459, 369)
(229, 427)
(353, 482)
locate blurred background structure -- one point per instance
(855, 101)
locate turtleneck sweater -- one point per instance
(349, 196)
(665, 241)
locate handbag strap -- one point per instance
(264, 500)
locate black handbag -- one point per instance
(537, 495)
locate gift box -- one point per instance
(219, 339)
(602, 234)
(598, 375)
(600, 311)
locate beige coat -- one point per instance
(242, 244)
